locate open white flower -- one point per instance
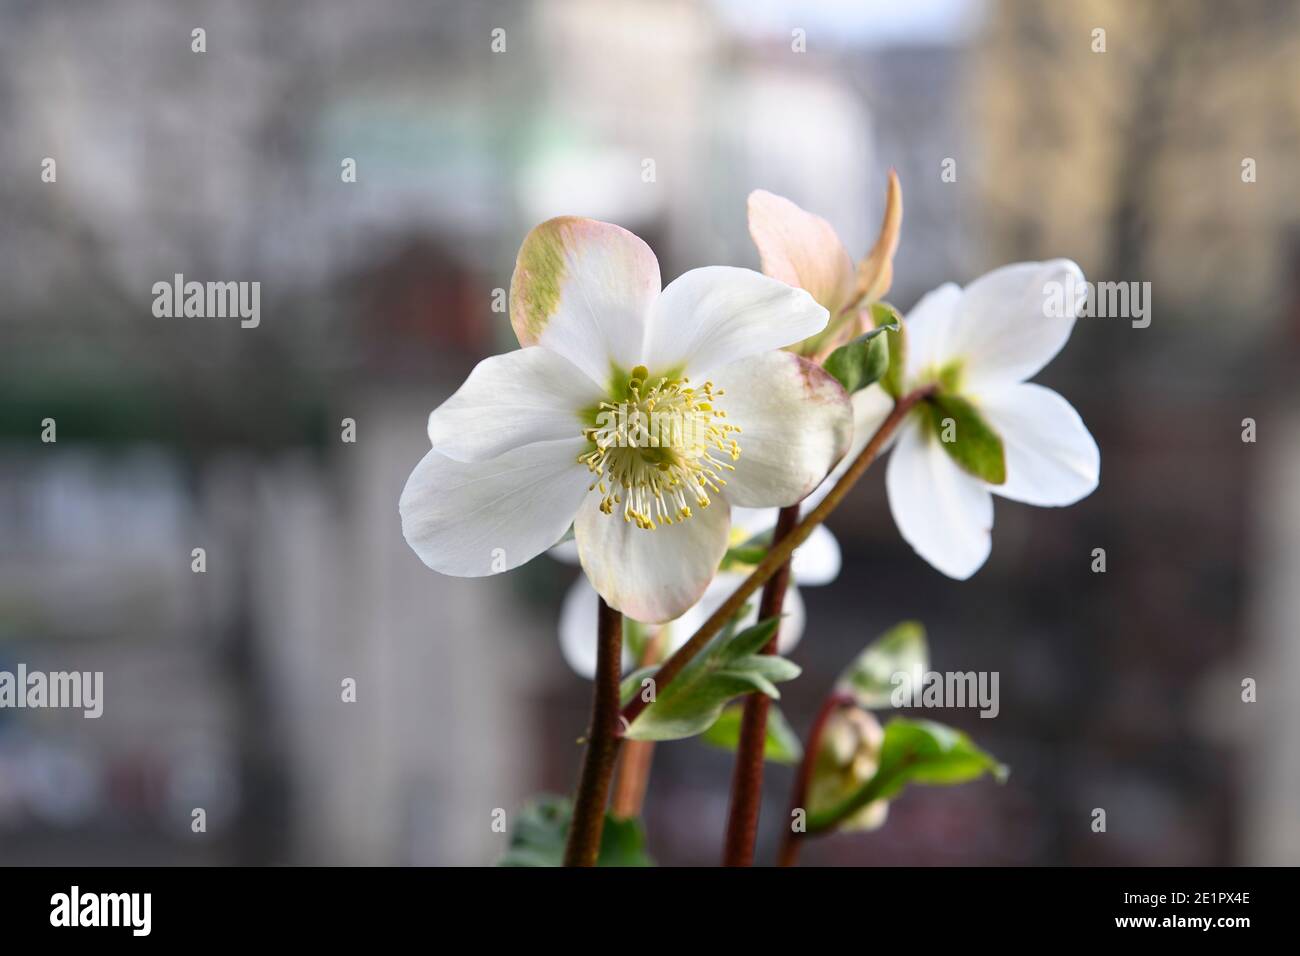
(982, 344)
(815, 562)
(638, 415)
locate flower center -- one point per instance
(659, 448)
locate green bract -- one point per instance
(728, 667)
(967, 438)
(863, 361)
(884, 315)
(919, 751)
(871, 678)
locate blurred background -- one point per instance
(1119, 690)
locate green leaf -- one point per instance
(630, 686)
(635, 637)
(781, 745)
(914, 751)
(743, 555)
(749, 641)
(871, 677)
(884, 315)
(861, 362)
(968, 438)
(728, 667)
(539, 830)
(922, 751)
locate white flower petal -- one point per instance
(928, 327)
(712, 316)
(477, 518)
(793, 618)
(566, 552)
(942, 512)
(793, 615)
(871, 406)
(800, 249)
(817, 560)
(584, 289)
(578, 629)
(1051, 457)
(509, 400)
(1002, 333)
(751, 521)
(796, 423)
(651, 576)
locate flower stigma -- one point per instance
(658, 446)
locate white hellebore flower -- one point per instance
(637, 414)
(981, 344)
(815, 562)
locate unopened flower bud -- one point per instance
(847, 758)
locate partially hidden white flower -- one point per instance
(983, 342)
(548, 435)
(816, 562)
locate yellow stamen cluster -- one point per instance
(654, 451)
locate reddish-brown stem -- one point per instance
(633, 773)
(780, 552)
(588, 823)
(792, 840)
(747, 779)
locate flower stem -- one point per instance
(792, 842)
(780, 551)
(747, 780)
(588, 823)
(634, 765)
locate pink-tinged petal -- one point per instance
(1052, 459)
(942, 512)
(796, 424)
(471, 519)
(651, 576)
(584, 289)
(876, 270)
(509, 400)
(800, 249)
(710, 317)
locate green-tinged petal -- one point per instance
(584, 289)
(942, 512)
